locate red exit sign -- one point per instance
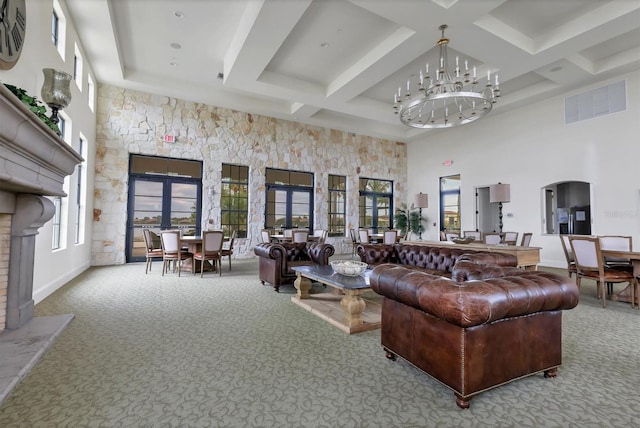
(168, 138)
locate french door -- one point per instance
(159, 203)
(289, 208)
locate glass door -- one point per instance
(288, 208)
(161, 203)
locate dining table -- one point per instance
(194, 244)
(627, 295)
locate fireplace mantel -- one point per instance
(33, 159)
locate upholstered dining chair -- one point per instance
(590, 264)
(472, 233)
(211, 250)
(300, 235)
(526, 239)
(227, 247)
(363, 234)
(618, 243)
(321, 235)
(172, 251)
(266, 236)
(492, 238)
(390, 237)
(568, 254)
(287, 235)
(153, 248)
(510, 238)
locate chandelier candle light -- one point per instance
(447, 99)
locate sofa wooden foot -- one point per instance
(390, 355)
(551, 372)
(461, 402)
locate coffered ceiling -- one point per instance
(337, 63)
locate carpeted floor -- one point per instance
(148, 351)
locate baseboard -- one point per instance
(42, 292)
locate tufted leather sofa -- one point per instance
(276, 260)
(434, 260)
(486, 326)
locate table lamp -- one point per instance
(422, 201)
(499, 193)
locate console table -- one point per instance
(528, 257)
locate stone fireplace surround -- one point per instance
(34, 162)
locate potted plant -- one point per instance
(408, 219)
(34, 105)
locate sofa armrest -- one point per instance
(320, 253)
(270, 251)
(468, 304)
(375, 254)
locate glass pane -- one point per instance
(451, 182)
(147, 203)
(184, 203)
(300, 208)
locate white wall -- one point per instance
(55, 268)
(532, 147)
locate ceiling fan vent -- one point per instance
(596, 102)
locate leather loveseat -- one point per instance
(434, 260)
(276, 260)
(487, 326)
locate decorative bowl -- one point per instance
(348, 267)
(466, 240)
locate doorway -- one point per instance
(486, 212)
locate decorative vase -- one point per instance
(55, 91)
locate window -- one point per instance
(376, 204)
(337, 205)
(55, 22)
(77, 67)
(61, 126)
(289, 199)
(80, 195)
(450, 203)
(234, 200)
(91, 96)
(57, 223)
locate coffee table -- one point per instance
(345, 308)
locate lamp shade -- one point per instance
(499, 193)
(422, 200)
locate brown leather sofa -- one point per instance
(497, 325)
(276, 260)
(434, 260)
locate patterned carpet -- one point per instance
(148, 351)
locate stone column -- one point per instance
(31, 213)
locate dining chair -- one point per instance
(153, 248)
(590, 264)
(211, 250)
(510, 238)
(172, 251)
(450, 236)
(390, 237)
(266, 236)
(617, 243)
(287, 235)
(321, 235)
(526, 239)
(568, 254)
(363, 234)
(354, 241)
(492, 238)
(443, 236)
(472, 233)
(227, 247)
(300, 235)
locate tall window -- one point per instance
(91, 96)
(337, 205)
(80, 195)
(376, 203)
(450, 203)
(55, 24)
(57, 223)
(289, 199)
(234, 200)
(77, 67)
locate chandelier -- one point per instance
(447, 99)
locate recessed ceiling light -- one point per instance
(220, 76)
(173, 64)
(324, 45)
(175, 45)
(178, 14)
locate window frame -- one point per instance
(242, 202)
(375, 195)
(337, 191)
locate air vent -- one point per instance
(220, 76)
(595, 103)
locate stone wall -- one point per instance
(135, 122)
(5, 246)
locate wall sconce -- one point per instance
(500, 193)
(210, 191)
(55, 91)
(422, 201)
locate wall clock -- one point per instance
(13, 23)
